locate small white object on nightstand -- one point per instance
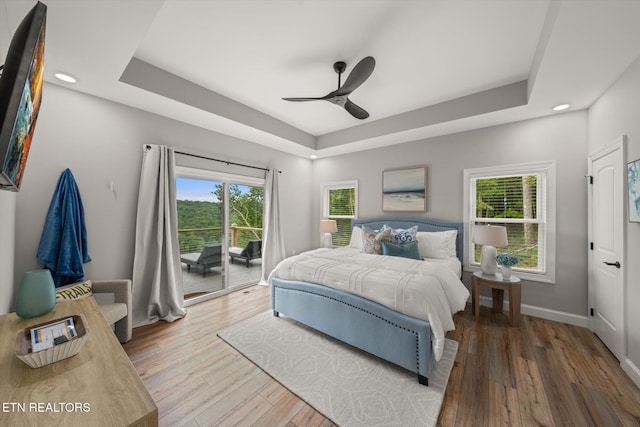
(327, 226)
(489, 236)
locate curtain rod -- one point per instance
(221, 161)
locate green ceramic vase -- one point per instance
(36, 294)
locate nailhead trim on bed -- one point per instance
(415, 333)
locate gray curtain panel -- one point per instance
(157, 277)
(272, 239)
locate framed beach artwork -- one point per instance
(404, 190)
(633, 183)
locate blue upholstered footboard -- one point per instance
(374, 328)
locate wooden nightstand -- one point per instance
(498, 285)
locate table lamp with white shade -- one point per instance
(489, 236)
(327, 226)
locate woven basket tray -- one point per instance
(55, 353)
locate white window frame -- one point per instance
(337, 185)
(212, 175)
(546, 205)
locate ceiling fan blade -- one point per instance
(360, 73)
(304, 99)
(356, 111)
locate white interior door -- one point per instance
(606, 269)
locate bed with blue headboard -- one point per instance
(399, 338)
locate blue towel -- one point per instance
(63, 245)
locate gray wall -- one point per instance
(560, 137)
(616, 113)
(7, 199)
(101, 142)
(7, 244)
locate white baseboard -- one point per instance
(632, 370)
(544, 313)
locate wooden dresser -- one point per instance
(97, 387)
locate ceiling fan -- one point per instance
(340, 96)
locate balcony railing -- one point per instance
(194, 239)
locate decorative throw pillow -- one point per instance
(439, 244)
(407, 250)
(371, 240)
(74, 291)
(356, 238)
(401, 236)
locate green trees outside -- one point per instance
(342, 202)
(245, 210)
(512, 197)
(506, 197)
(197, 215)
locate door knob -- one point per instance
(617, 263)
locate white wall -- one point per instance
(101, 142)
(616, 113)
(560, 137)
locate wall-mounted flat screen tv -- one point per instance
(21, 95)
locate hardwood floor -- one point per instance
(196, 379)
(541, 373)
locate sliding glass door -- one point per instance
(245, 234)
(219, 231)
(201, 215)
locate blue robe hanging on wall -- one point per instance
(63, 245)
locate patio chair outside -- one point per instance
(253, 250)
(211, 256)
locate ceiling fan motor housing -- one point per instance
(340, 100)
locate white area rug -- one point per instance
(348, 386)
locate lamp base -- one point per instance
(327, 240)
(488, 263)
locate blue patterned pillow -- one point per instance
(403, 236)
(407, 250)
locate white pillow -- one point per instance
(439, 244)
(356, 238)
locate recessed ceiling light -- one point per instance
(561, 107)
(65, 77)
(313, 156)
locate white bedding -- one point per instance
(427, 290)
(453, 263)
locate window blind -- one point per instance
(342, 208)
(340, 203)
(516, 202)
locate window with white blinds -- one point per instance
(340, 202)
(522, 199)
